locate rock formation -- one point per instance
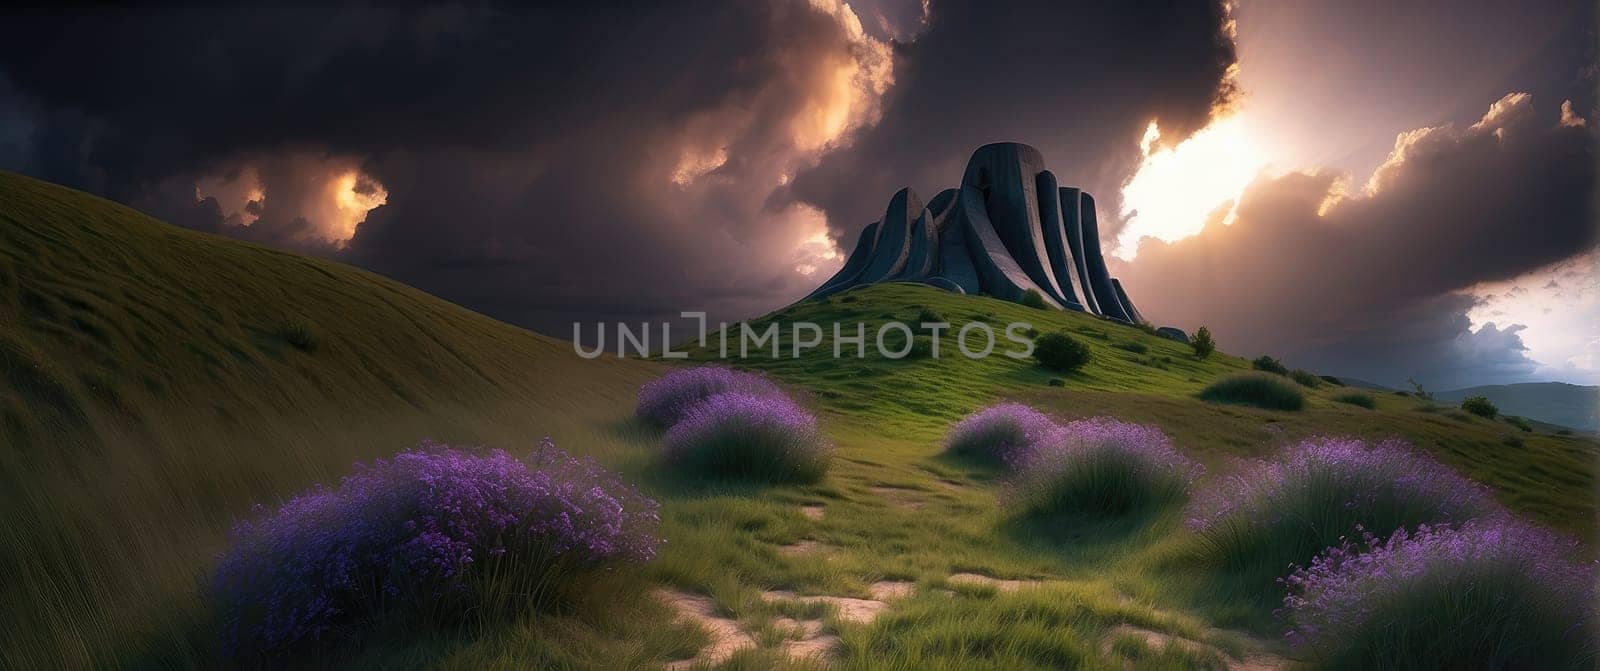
(1173, 333)
(1008, 229)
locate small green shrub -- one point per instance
(1202, 343)
(1305, 378)
(1033, 299)
(1135, 347)
(1519, 422)
(1060, 352)
(1332, 380)
(1479, 406)
(1267, 364)
(1158, 363)
(928, 315)
(1255, 389)
(299, 336)
(1358, 399)
(1057, 382)
(849, 299)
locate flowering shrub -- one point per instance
(1287, 510)
(998, 434)
(666, 400)
(767, 436)
(425, 537)
(1493, 594)
(1100, 465)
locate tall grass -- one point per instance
(1494, 594)
(999, 434)
(1261, 390)
(1358, 399)
(666, 400)
(760, 436)
(1270, 515)
(1100, 467)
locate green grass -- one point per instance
(1262, 390)
(1358, 399)
(157, 382)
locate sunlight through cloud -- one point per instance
(1176, 188)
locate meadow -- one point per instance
(160, 382)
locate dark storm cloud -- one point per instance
(598, 159)
(1376, 284)
(1079, 80)
(527, 154)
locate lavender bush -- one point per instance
(666, 400)
(1099, 466)
(1282, 512)
(998, 434)
(1494, 594)
(424, 538)
(765, 436)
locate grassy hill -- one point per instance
(1138, 376)
(1558, 403)
(158, 382)
(155, 382)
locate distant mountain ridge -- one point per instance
(1570, 405)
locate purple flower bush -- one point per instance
(1496, 594)
(999, 434)
(426, 537)
(1099, 466)
(666, 400)
(765, 436)
(1287, 510)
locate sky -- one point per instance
(1374, 189)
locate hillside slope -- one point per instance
(155, 382)
(158, 382)
(1559, 403)
(1139, 376)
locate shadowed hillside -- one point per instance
(1568, 405)
(155, 382)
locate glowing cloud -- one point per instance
(815, 251)
(300, 197)
(353, 195)
(1175, 189)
